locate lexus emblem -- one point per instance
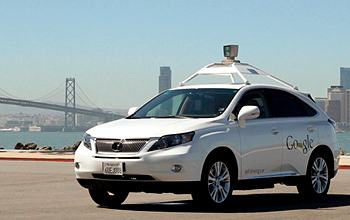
(118, 146)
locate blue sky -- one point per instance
(114, 48)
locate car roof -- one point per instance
(234, 70)
(239, 86)
(211, 86)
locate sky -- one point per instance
(114, 48)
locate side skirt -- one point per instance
(265, 183)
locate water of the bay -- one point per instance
(58, 140)
(344, 142)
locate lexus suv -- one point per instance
(210, 139)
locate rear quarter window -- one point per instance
(284, 104)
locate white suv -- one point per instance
(208, 140)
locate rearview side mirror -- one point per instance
(132, 110)
(247, 112)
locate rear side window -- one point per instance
(284, 104)
(307, 110)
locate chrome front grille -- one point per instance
(120, 145)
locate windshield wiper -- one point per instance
(133, 117)
(170, 116)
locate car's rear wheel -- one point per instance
(216, 183)
(317, 180)
(106, 198)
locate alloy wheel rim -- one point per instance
(219, 182)
(319, 175)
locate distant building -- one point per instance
(338, 104)
(333, 109)
(335, 104)
(82, 120)
(164, 78)
(345, 77)
(321, 102)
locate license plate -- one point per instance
(112, 168)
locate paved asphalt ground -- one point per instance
(48, 190)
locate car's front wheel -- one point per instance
(317, 180)
(106, 198)
(216, 183)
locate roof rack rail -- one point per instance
(230, 67)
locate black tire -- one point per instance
(316, 183)
(215, 187)
(105, 198)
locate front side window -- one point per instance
(254, 98)
(193, 103)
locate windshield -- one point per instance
(192, 103)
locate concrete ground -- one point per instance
(345, 161)
(33, 155)
(49, 190)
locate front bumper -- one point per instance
(140, 186)
(152, 167)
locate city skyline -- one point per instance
(115, 48)
(335, 104)
(164, 82)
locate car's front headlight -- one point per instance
(172, 140)
(87, 141)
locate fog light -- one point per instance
(176, 168)
(77, 165)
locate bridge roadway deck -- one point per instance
(34, 104)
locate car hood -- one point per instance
(146, 128)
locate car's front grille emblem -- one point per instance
(118, 146)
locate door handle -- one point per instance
(311, 129)
(275, 131)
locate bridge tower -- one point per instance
(69, 123)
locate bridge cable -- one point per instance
(42, 98)
(50, 96)
(83, 101)
(9, 94)
(37, 99)
(86, 96)
(5, 96)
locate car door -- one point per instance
(299, 129)
(261, 139)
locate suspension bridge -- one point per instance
(69, 108)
